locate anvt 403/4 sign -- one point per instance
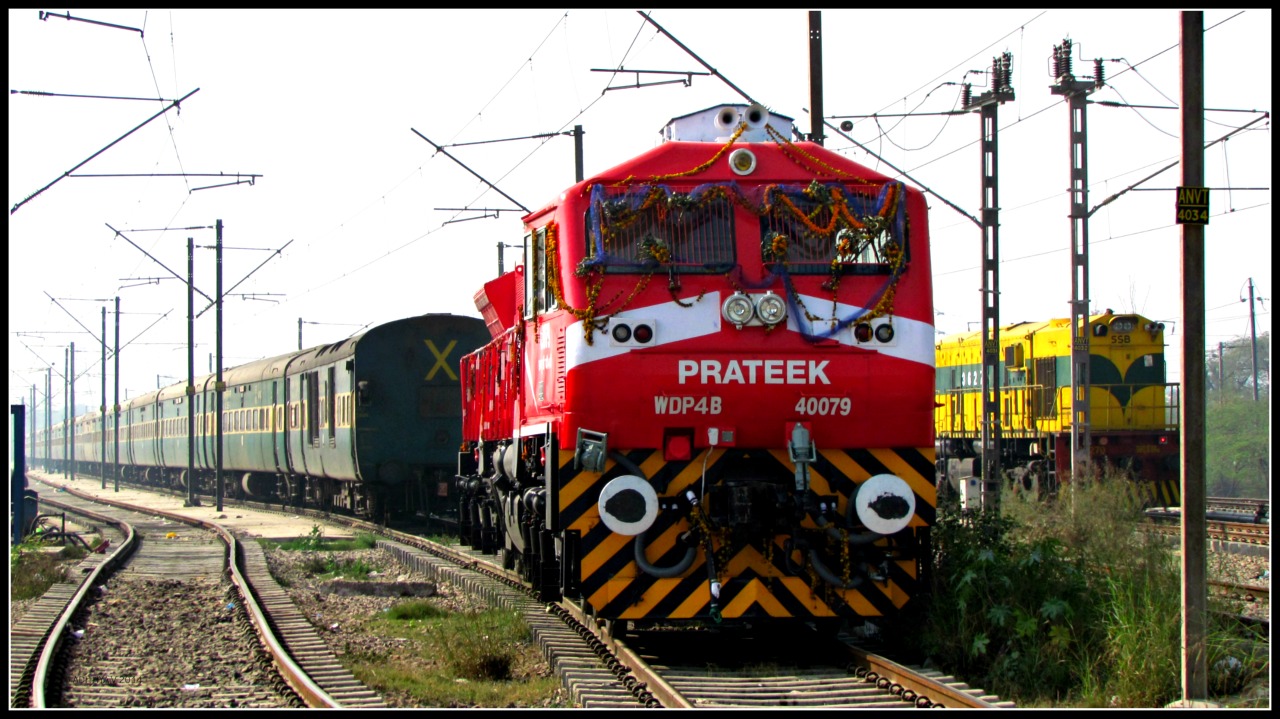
(1193, 206)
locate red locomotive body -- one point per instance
(710, 390)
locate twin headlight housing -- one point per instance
(742, 310)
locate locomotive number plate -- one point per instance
(663, 404)
(824, 406)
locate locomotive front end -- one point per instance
(715, 402)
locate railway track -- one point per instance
(1258, 508)
(1243, 592)
(168, 579)
(1222, 531)
(787, 667)
(603, 666)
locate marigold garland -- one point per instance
(742, 127)
(622, 213)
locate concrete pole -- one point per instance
(1195, 685)
(192, 501)
(115, 412)
(71, 443)
(102, 414)
(219, 387)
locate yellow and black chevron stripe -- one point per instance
(755, 580)
(1168, 492)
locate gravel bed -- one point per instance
(1254, 571)
(169, 643)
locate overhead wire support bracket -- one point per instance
(694, 55)
(494, 216)
(260, 296)
(176, 103)
(44, 15)
(442, 151)
(486, 210)
(142, 281)
(1134, 186)
(274, 254)
(42, 93)
(248, 181)
(153, 259)
(687, 81)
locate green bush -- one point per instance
(1065, 602)
(1005, 613)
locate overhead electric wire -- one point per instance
(414, 240)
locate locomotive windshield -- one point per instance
(636, 233)
(820, 228)
(813, 229)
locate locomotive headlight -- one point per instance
(884, 333)
(771, 308)
(738, 309)
(742, 161)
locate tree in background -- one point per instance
(1238, 429)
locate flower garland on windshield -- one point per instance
(854, 225)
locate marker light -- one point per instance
(884, 333)
(862, 332)
(643, 334)
(621, 333)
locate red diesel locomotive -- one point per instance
(709, 394)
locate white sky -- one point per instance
(321, 105)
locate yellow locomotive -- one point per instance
(1133, 410)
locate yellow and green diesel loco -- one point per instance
(1133, 410)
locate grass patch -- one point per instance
(409, 611)
(33, 569)
(1062, 603)
(316, 542)
(327, 566)
(446, 659)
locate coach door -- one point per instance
(275, 425)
